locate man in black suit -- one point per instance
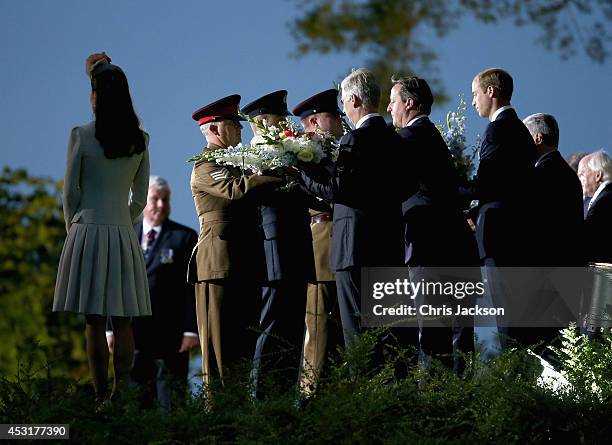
(559, 210)
(505, 173)
(502, 186)
(595, 173)
(164, 339)
(290, 266)
(559, 197)
(366, 232)
(437, 234)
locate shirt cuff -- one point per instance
(190, 334)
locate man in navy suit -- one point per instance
(505, 173)
(502, 185)
(559, 210)
(163, 340)
(437, 234)
(595, 173)
(366, 232)
(559, 197)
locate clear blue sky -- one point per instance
(182, 55)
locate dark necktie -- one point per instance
(149, 239)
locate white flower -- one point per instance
(258, 140)
(291, 145)
(305, 155)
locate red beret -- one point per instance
(222, 109)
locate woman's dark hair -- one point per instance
(117, 126)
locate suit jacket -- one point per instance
(598, 235)
(502, 185)
(559, 209)
(437, 233)
(230, 240)
(287, 236)
(172, 298)
(366, 231)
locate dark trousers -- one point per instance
(276, 361)
(159, 376)
(389, 343)
(447, 338)
(348, 284)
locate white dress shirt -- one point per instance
(146, 228)
(597, 192)
(361, 121)
(409, 124)
(499, 111)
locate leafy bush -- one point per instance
(495, 402)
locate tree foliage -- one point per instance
(33, 230)
(394, 33)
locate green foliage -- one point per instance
(587, 364)
(33, 231)
(395, 33)
(495, 402)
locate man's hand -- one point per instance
(292, 171)
(93, 59)
(189, 342)
(470, 222)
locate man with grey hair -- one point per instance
(595, 173)
(227, 265)
(559, 197)
(164, 339)
(365, 232)
(559, 217)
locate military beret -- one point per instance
(222, 109)
(273, 103)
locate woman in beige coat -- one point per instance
(102, 271)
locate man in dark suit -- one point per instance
(559, 210)
(289, 264)
(502, 186)
(366, 232)
(163, 340)
(505, 173)
(558, 195)
(437, 234)
(595, 173)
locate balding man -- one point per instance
(503, 180)
(559, 215)
(558, 196)
(502, 186)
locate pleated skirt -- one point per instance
(102, 271)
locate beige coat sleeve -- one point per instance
(140, 186)
(218, 181)
(71, 196)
